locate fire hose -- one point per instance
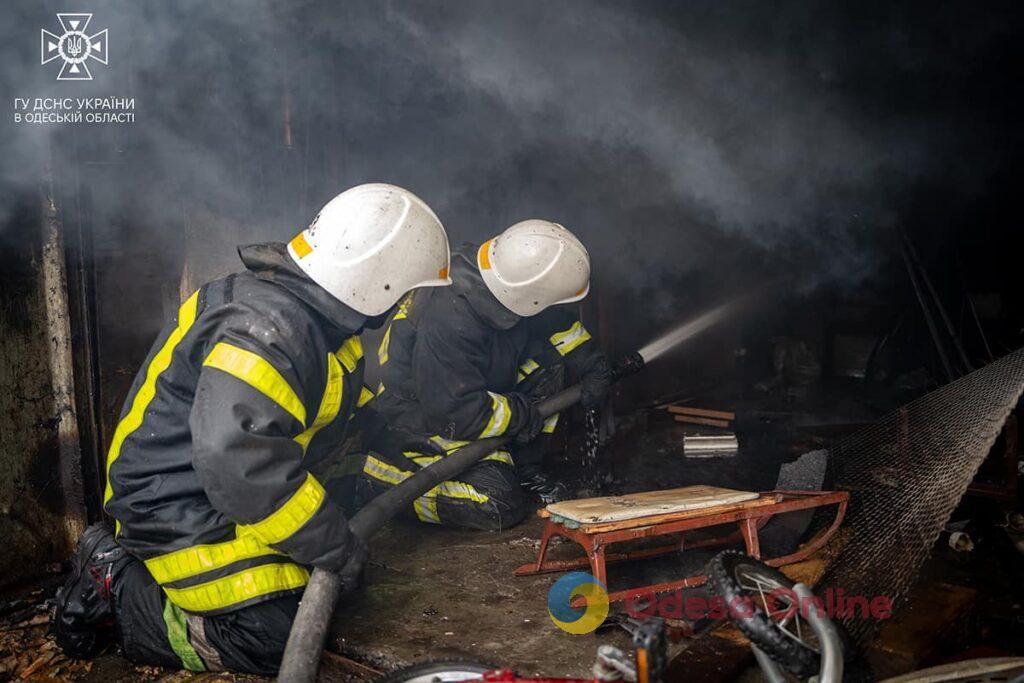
(309, 631)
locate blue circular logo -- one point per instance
(578, 620)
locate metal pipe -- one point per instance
(831, 668)
(950, 330)
(929, 320)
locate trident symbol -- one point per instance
(74, 46)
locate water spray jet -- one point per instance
(685, 331)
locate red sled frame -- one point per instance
(749, 516)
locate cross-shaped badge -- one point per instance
(75, 47)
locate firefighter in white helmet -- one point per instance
(473, 361)
(218, 518)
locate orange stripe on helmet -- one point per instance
(300, 246)
(483, 257)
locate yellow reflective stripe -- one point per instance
(458, 489)
(251, 541)
(380, 388)
(161, 361)
(382, 350)
(365, 396)
(258, 373)
(237, 588)
(426, 509)
(501, 456)
(526, 369)
(389, 474)
(529, 366)
(550, 424)
(571, 338)
(177, 635)
(424, 460)
(291, 516)
(385, 342)
(350, 353)
(330, 404)
(198, 559)
(448, 445)
(425, 506)
(501, 412)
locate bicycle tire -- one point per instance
(794, 656)
(439, 671)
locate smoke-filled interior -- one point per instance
(800, 212)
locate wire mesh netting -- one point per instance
(906, 474)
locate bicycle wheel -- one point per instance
(758, 598)
(439, 671)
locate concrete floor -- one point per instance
(436, 593)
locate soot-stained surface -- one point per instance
(435, 593)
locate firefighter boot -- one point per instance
(83, 616)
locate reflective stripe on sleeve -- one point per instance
(292, 516)
(527, 369)
(568, 340)
(501, 413)
(258, 373)
(251, 540)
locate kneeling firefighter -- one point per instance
(218, 520)
(472, 361)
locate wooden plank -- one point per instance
(702, 412)
(689, 419)
(715, 657)
(647, 503)
(926, 629)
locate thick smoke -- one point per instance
(679, 140)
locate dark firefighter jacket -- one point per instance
(207, 471)
(451, 357)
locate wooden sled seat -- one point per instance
(637, 506)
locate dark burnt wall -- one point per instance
(41, 509)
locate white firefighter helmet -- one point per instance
(533, 265)
(371, 244)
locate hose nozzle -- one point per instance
(629, 364)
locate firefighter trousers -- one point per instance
(155, 631)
